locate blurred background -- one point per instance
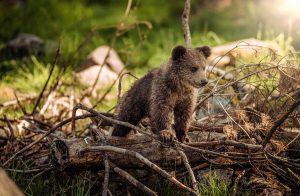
(145, 36)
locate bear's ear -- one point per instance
(178, 52)
(205, 50)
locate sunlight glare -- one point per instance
(291, 6)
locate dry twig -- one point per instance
(19, 104)
(132, 180)
(47, 81)
(143, 160)
(280, 121)
(60, 124)
(228, 143)
(106, 176)
(189, 169)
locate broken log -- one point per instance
(7, 186)
(68, 152)
(71, 152)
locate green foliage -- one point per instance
(213, 186)
(37, 184)
(70, 22)
(31, 76)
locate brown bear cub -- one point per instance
(165, 94)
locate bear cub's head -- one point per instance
(190, 64)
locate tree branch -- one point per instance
(143, 160)
(280, 121)
(185, 23)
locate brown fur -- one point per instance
(166, 93)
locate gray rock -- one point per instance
(88, 76)
(88, 72)
(23, 45)
(97, 57)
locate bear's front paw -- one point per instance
(167, 136)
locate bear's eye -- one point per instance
(194, 69)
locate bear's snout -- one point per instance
(203, 82)
(200, 83)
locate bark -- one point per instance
(67, 152)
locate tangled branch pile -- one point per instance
(246, 120)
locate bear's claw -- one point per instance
(167, 136)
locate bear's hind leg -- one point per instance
(182, 117)
(131, 115)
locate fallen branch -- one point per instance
(66, 152)
(190, 171)
(19, 104)
(106, 176)
(11, 135)
(15, 102)
(143, 160)
(132, 180)
(194, 169)
(280, 121)
(62, 123)
(151, 135)
(241, 145)
(220, 88)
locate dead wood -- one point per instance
(7, 186)
(132, 180)
(189, 169)
(67, 152)
(59, 125)
(185, 23)
(141, 159)
(232, 83)
(106, 176)
(242, 145)
(19, 104)
(292, 108)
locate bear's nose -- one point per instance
(204, 82)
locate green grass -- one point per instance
(84, 184)
(213, 186)
(30, 78)
(70, 22)
(38, 184)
